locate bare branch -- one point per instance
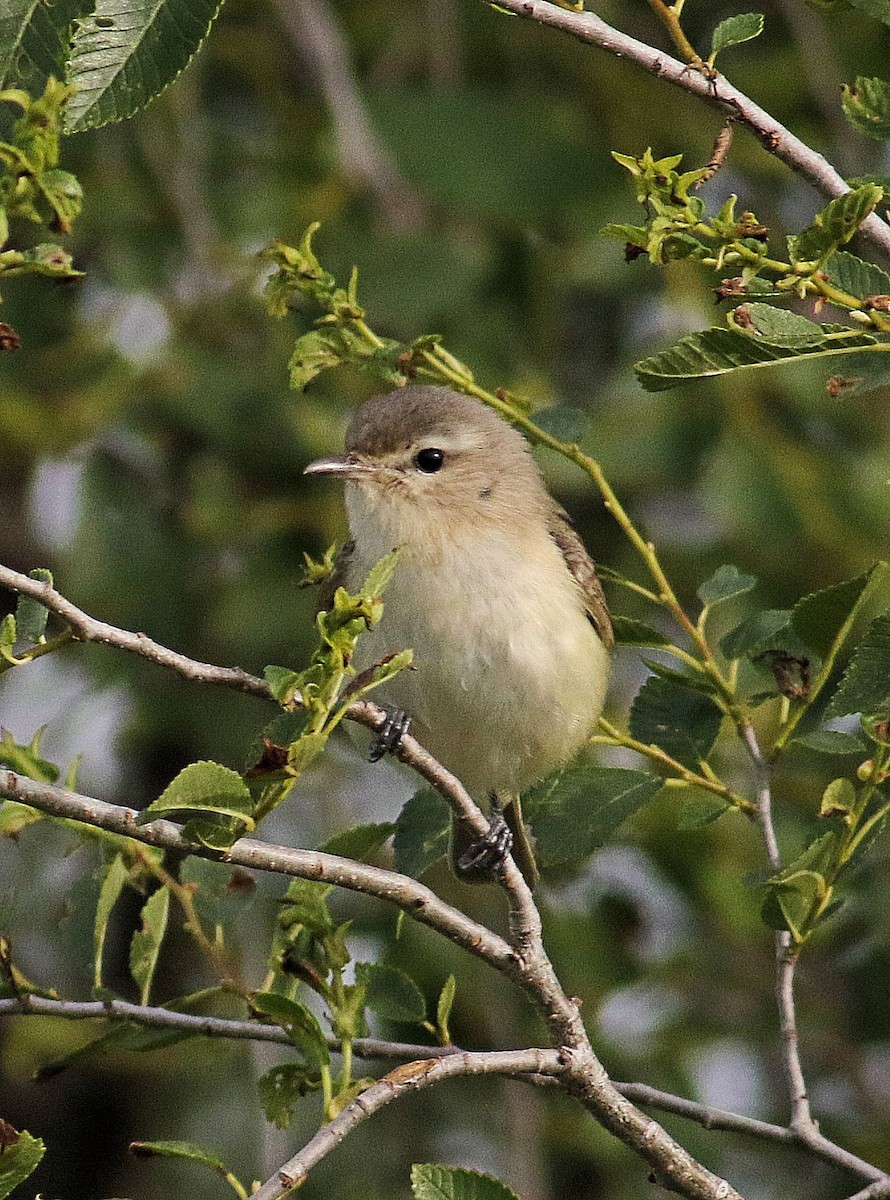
(402, 1081)
(194, 1024)
(416, 899)
(718, 92)
(786, 954)
(314, 32)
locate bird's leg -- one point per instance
(386, 739)
(483, 857)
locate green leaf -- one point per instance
(718, 351)
(795, 893)
(701, 811)
(391, 994)
(865, 687)
(26, 760)
(361, 843)
(280, 1089)
(221, 892)
(422, 832)
(31, 615)
(8, 632)
(681, 722)
(577, 810)
(15, 817)
(203, 787)
(832, 741)
(192, 1152)
(734, 30)
(443, 1009)
(281, 681)
(835, 224)
(726, 582)
(146, 944)
(838, 799)
(300, 1025)
(629, 632)
(769, 629)
(775, 326)
(112, 885)
(18, 1161)
(432, 1182)
(127, 51)
(15, 17)
(822, 617)
(856, 276)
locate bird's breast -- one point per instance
(510, 675)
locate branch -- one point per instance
(717, 92)
(411, 1077)
(415, 898)
(196, 1025)
(786, 954)
(313, 30)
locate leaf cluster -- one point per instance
(758, 333)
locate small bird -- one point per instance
(493, 591)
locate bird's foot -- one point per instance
(484, 857)
(386, 739)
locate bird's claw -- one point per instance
(386, 739)
(484, 858)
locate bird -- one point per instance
(493, 592)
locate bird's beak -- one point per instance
(348, 466)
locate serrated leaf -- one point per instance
(300, 1025)
(686, 679)
(45, 39)
(112, 885)
(681, 722)
(865, 686)
(281, 681)
(832, 741)
(629, 632)
(379, 576)
(765, 630)
(577, 810)
(726, 582)
(718, 351)
(422, 831)
(391, 994)
(280, 1089)
(820, 618)
(444, 1006)
(8, 632)
(735, 30)
(19, 1161)
(856, 276)
(432, 1182)
(776, 326)
(203, 788)
(31, 615)
(146, 944)
(360, 843)
(835, 224)
(126, 52)
(15, 17)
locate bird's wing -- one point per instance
(580, 564)
(337, 578)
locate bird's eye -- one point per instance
(430, 460)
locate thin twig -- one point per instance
(717, 92)
(412, 1077)
(786, 953)
(196, 1025)
(314, 33)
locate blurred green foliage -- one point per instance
(152, 455)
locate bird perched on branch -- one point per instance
(493, 591)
